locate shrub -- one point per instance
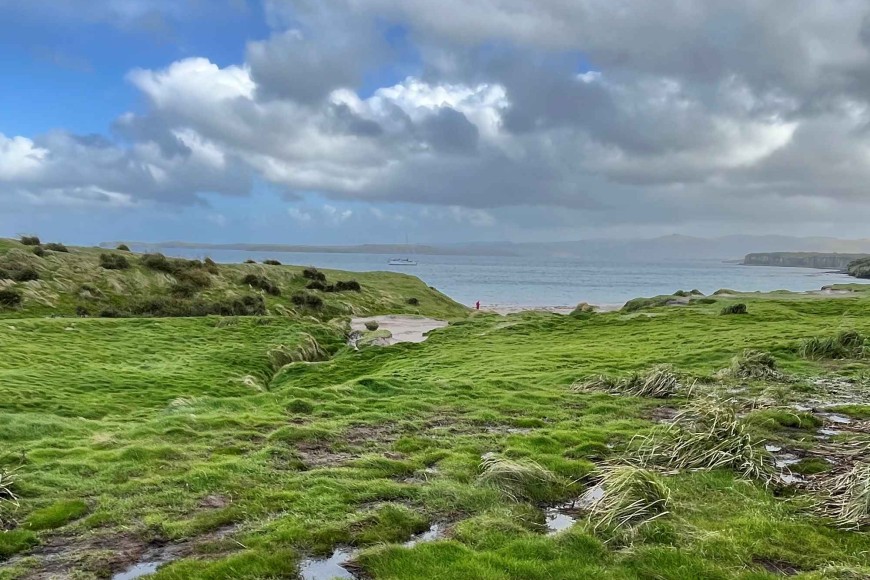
(734, 309)
(10, 298)
(272, 262)
(372, 325)
(313, 274)
(659, 382)
(25, 275)
(196, 277)
(847, 344)
(211, 266)
(643, 303)
(348, 286)
(316, 285)
(754, 364)
(39, 251)
(413, 302)
(681, 294)
(307, 300)
(56, 247)
(249, 261)
(157, 262)
(114, 262)
(262, 283)
(123, 248)
(30, 240)
(82, 311)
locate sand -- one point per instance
(403, 328)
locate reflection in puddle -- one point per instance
(786, 459)
(830, 432)
(334, 566)
(791, 479)
(773, 448)
(562, 517)
(558, 521)
(139, 570)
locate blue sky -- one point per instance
(352, 122)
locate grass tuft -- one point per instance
(632, 496)
(660, 382)
(30, 240)
(114, 262)
(520, 479)
(754, 364)
(847, 344)
(308, 350)
(847, 500)
(708, 435)
(734, 309)
(10, 298)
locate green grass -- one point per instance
(186, 431)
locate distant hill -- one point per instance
(803, 260)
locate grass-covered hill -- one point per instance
(50, 279)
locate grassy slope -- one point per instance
(62, 275)
(144, 420)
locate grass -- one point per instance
(739, 308)
(185, 432)
(660, 382)
(754, 364)
(848, 499)
(632, 497)
(846, 344)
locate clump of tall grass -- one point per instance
(10, 298)
(754, 364)
(8, 499)
(848, 498)
(308, 350)
(734, 309)
(272, 262)
(114, 262)
(520, 479)
(307, 301)
(846, 344)
(57, 247)
(313, 274)
(262, 283)
(707, 435)
(123, 248)
(660, 382)
(632, 496)
(30, 240)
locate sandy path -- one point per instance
(403, 328)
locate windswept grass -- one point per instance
(847, 500)
(307, 349)
(660, 382)
(846, 344)
(707, 435)
(521, 479)
(734, 309)
(756, 365)
(632, 496)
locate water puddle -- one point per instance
(786, 459)
(791, 479)
(561, 517)
(139, 570)
(773, 448)
(336, 565)
(834, 418)
(830, 432)
(328, 568)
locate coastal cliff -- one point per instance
(824, 261)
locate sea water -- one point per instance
(533, 281)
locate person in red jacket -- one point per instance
(477, 304)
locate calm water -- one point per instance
(522, 281)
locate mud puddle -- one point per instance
(150, 562)
(561, 517)
(336, 566)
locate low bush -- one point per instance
(847, 344)
(39, 251)
(157, 262)
(734, 309)
(114, 262)
(313, 274)
(262, 283)
(182, 307)
(348, 286)
(30, 240)
(317, 286)
(25, 275)
(56, 247)
(249, 261)
(272, 262)
(307, 301)
(123, 248)
(82, 311)
(10, 298)
(413, 302)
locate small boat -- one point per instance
(402, 262)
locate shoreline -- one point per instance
(505, 309)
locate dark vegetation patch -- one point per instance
(114, 262)
(180, 307)
(39, 251)
(372, 325)
(734, 309)
(643, 303)
(57, 247)
(413, 302)
(272, 262)
(10, 298)
(305, 300)
(313, 274)
(703, 301)
(262, 283)
(30, 240)
(754, 364)
(123, 248)
(249, 261)
(847, 344)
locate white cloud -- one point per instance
(299, 215)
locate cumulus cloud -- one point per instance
(618, 112)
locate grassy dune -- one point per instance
(134, 436)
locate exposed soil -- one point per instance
(402, 328)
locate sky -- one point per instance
(366, 121)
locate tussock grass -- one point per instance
(847, 498)
(114, 262)
(707, 435)
(520, 479)
(660, 382)
(308, 350)
(30, 240)
(10, 298)
(847, 344)
(754, 364)
(632, 496)
(8, 498)
(734, 309)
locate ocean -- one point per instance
(538, 282)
